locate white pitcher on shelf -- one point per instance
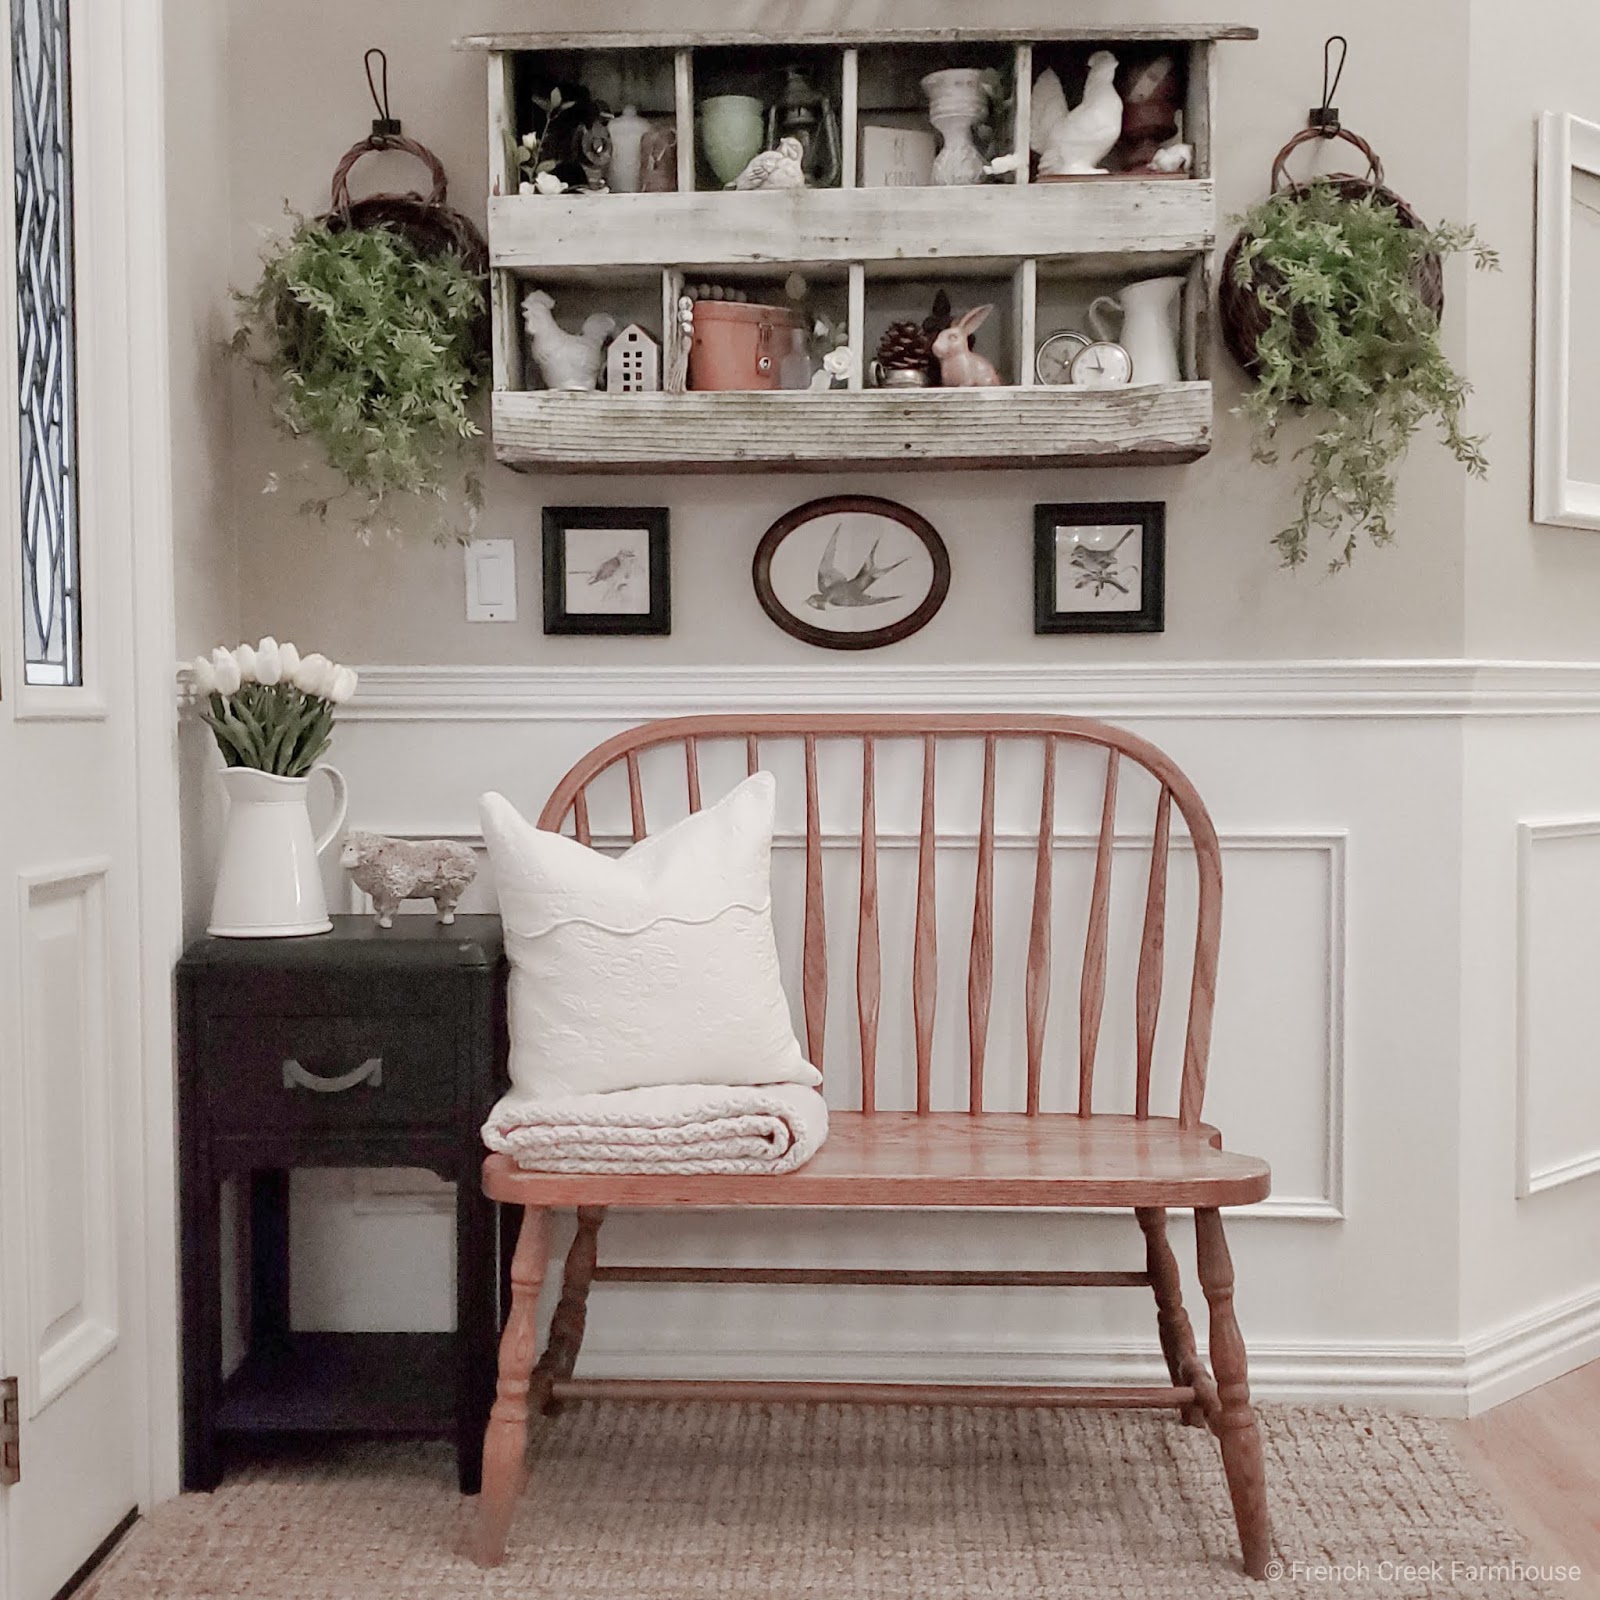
(1147, 313)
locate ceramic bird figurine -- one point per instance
(774, 169)
(566, 360)
(1074, 143)
(1174, 157)
(837, 588)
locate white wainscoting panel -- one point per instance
(1558, 1003)
(67, 1100)
(1281, 985)
(1339, 1026)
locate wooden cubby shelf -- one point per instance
(1039, 250)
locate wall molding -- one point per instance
(1532, 1180)
(420, 1193)
(1186, 689)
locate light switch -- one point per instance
(491, 580)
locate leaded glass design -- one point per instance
(41, 116)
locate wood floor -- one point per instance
(1540, 1455)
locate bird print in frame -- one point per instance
(1100, 567)
(851, 572)
(606, 570)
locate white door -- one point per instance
(71, 1028)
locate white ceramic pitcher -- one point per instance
(1148, 314)
(268, 884)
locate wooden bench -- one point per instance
(925, 1158)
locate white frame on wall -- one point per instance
(1566, 143)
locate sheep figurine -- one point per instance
(392, 870)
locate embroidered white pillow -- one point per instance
(654, 967)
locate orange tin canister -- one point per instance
(737, 345)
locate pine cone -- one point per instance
(905, 347)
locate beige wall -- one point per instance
(1226, 597)
(1531, 592)
(205, 558)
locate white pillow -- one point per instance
(654, 967)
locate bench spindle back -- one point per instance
(1051, 735)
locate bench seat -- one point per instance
(897, 1158)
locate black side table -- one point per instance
(364, 1047)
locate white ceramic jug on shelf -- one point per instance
(1148, 314)
(268, 884)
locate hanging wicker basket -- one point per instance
(1244, 317)
(425, 220)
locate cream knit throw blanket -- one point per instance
(689, 1129)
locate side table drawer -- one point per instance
(328, 1073)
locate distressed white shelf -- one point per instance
(879, 428)
(1128, 219)
(1038, 248)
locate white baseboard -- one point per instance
(1437, 1379)
(1522, 1354)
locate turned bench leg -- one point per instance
(1177, 1336)
(1234, 1421)
(572, 1310)
(505, 1442)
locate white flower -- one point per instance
(203, 676)
(226, 669)
(313, 674)
(246, 657)
(288, 663)
(269, 662)
(342, 686)
(549, 183)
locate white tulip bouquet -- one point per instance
(270, 707)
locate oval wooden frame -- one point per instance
(873, 639)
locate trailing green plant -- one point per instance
(376, 354)
(1350, 339)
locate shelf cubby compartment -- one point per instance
(889, 91)
(894, 293)
(761, 72)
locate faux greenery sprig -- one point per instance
(1349, 338)
(374, 351)
(270, 707)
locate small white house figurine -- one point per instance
(774, 169)
(1072, 144)
(392, 870)
(633, 362)
(566, 360)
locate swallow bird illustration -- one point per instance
(835, 589)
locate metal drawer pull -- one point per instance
(296, 1077)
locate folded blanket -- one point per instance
(690, 1129)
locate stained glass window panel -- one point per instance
(41, 117)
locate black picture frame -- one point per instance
(1150, 616)
(796, 625)
(655, 522)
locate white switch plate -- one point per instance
(491, 580)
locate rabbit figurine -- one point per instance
(960, 366)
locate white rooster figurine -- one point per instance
(1074, 143)
(774, 169)
(566, 360)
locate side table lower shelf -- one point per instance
(379, 1383)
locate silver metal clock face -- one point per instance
(1053, 364)
(1102, 365)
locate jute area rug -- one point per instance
(660, 1502)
